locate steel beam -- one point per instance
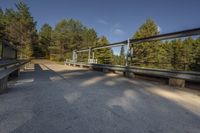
(173, 35)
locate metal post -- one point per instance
(89, 54)
(93, 55)
(1, 56)
(131, 54)
(74, 56)
(15, 54)
(21, 55)
(128, 51)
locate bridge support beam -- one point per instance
(3, 83)
(177, 82)
(129, 74)
(15, 74)
(105, 70)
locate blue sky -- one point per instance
(116, 19)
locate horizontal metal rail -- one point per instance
(9, 64)
(9, 68)
(188, 76)
(83, 50)
(173, 35)
(109, 46)
(6, 63)
(179, 34)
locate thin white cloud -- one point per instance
(118, 32)
(102, 21)
(159, 28)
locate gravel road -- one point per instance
(53, 98)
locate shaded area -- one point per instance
(78, 100)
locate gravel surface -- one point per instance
(53, 98)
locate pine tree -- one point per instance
(2, 25)
(196, 50)
(188, 53)
(122, 56)
(69, 35)
(20, 28)
(89, 40)
(64, 37)
(45, 40)
(146, 53)
(103, 55)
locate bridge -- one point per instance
(72, 97)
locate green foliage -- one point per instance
(122, 56)
(149, 28)
(180, 54)
(146, 52)
(104, 56)
(2, 25)
(45, 40)
(70, 34)
(195, 52)
(19, 27)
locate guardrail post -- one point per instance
(1, 45)
(93, 55)
(74, 56)
(89, 54)
(105, 70)
(177, 82)
(3, 84)
(129, 74)
(15, 74)
(74, 64)
(128, 51)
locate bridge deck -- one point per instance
(55, 98)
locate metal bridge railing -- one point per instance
(130, 42)
(175, 77)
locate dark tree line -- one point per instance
(19, 27)
(178, 54)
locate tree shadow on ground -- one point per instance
(88, 101)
